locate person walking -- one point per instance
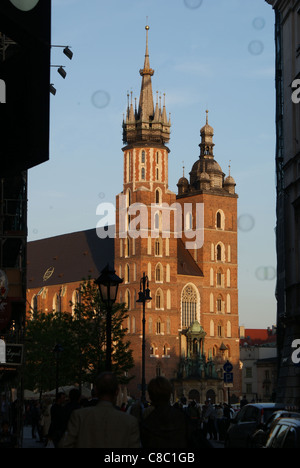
(166, 426)
(102, 425)
(57, 424)
(243, 401)
(208, 416)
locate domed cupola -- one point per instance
(229, 183)
(206, 173)
(183, 185)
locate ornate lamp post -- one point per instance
(144, 296)
(108, 283)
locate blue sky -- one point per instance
(210, 54)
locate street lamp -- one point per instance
(144, 296)
(108, 283)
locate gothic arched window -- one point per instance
(57, 303)
(158, 247)
(34, 304)
(189, 306)
(159, 299)
(158, 273)
(127, 299)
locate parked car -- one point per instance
(247, 421)
(260, 436)
(285, 434)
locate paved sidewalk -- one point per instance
(28, 441)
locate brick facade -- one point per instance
(189, 283)
(192, 319)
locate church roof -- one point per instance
(186, 265)
(67, 258)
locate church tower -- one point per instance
(186, 245)
(217, 257)
(143, 243)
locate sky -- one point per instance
(207, 54)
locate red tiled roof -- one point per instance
(256, 336)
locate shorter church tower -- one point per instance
(210, 191)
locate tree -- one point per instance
(82, 336)
(43, 332)
(89, 324)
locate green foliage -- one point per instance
(83, 340)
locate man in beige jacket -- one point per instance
(103, 425)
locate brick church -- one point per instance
(186, 245)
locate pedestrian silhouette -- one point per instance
(57, 424)
(102, 425)
(165, 426)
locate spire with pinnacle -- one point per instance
(146, 124)
(207, 145)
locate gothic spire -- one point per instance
(146, 124)
(146, 109)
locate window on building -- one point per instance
(158, 247)
(127, 247)
(220, 220)
(158, 273)
(219, 252)
(34, 304)
(57, 303)
(158, 300)
(157, 218)
(220, 278)
(143, 159)
(127, 299)
(189, 306)
(157, 196)
(127, 273)
(75, 300)
(143, 173)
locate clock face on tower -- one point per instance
(25, 5)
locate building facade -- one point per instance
(287, 41)
(258, 354)
(186, 245)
